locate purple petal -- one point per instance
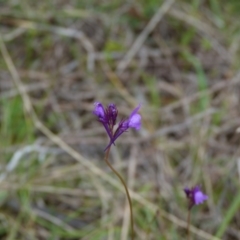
(112, 113)
(135, 110)
(135, 121)
(199, 197)
(196, 189)
(107, 130)
(187, 191)
(99, 110)
(122, 127)
(108, 146)
(195, 196)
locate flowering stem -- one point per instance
(126, 189)
(188, 222)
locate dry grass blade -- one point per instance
(58, 30)
(52, 219)
(203, 28)
(144, 34)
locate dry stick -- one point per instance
(126, 189)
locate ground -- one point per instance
(178, 59)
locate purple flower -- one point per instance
(99, 110)
(134, 120)
(195, 196)
(108, 118)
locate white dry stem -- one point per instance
(72, 33)
(238, 167)
(31, 87)
(13, 34)
(19, 154)
(56, 221)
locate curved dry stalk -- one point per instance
(125, 187)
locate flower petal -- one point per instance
(135, 121)
(135, 110)
(99, 110)
(112, 113)
(199, 197)
(195, 196)
(187, 191)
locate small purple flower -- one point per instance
(195, 196)
(134, 121)
(108, 118)
(99, 110)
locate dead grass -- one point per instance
(57, 60)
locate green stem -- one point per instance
(126, 189)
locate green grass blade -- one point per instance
(229, 216)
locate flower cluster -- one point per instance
(108, 117)
(195, 196)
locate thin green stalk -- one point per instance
(126, 189)
(228, 215)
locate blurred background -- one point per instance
(179, 59)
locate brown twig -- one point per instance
(125, 187)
